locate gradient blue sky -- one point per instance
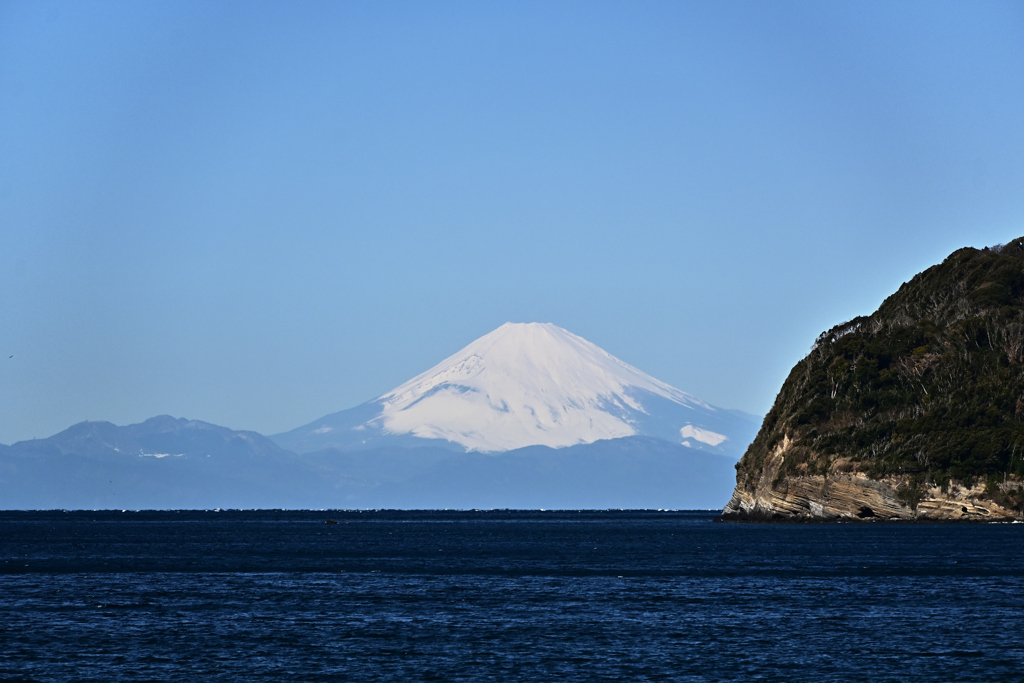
(258, 213)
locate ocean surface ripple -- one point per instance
(503, 596)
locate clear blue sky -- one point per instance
(258, 213)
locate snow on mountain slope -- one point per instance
(528, 384)
(522, 385)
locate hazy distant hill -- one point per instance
(160, 463)
(631, 472)
(165, 463)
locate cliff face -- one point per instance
(856, 496)
(913, 412)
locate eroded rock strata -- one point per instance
(913, 412)
(854, 495)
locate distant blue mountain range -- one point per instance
(168, 463)
(527, 416)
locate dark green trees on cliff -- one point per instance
(931, 385)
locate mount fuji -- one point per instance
(522, 385)
(528, 416)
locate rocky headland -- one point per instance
(915, 412)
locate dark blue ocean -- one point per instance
(504, 596)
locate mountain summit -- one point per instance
(527, 384)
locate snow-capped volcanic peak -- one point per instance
(526, 384)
